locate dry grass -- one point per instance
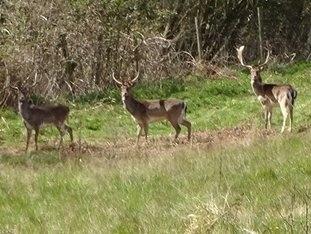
(221, 182)
(119, 148)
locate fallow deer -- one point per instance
(271, 95)
(145, 112)
(34, 116)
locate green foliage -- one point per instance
(109, 95)
(300, 68)
(165, 88)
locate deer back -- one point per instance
(163, 109)
(36, 115)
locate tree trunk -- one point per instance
(70, 64)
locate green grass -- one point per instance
(261, 187)
(212, 104)
(259, 183)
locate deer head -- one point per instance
(23, 89)
(255, 69)
(127, 85)
(22, 97)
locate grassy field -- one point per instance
(233, 176)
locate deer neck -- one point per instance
(257, 86)
(130, 103)
(24, 109)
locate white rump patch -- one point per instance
(182, 115)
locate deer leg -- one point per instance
(61, 130)
(187, 124)
(36, 137)
(146, 128)
(269, 118)
(139, 132)
(69, 130)
(266, 111)
(291, 118)
(29, 131)
(284, 110)
(177, 129)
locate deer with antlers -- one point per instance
(145, 112)
(271, 95)
(35, 116)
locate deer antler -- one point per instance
(134, 80)
(14, 87)
(30, 86)
(267, 59)
(113, 77)
(35, 81)
(240, 57)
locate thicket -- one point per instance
(72, 46)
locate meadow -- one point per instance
(233, 176)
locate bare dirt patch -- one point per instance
(123, 147)
(127, 147)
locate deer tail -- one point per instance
(185, 108)
(183, 113)
(293, 94)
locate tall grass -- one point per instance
(264, 186)
(255, 183)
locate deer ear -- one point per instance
(261, 68)
(132, 83)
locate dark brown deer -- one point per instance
(35, 116)
(271, 95)
(145, 112)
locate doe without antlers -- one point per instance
(35, 116)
